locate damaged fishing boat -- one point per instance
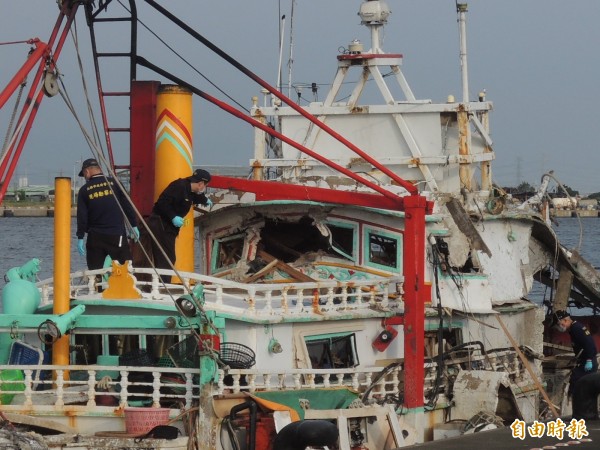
(363, 277)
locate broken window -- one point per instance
(342, 239)
(451, 338)
(383, 250)
(227, 251)
(287, 241)
(332, 351)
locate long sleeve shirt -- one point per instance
(583, 342)
(98, 208)
(176, 200)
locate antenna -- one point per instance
(461, 8)
(281, 33)
(291, 60)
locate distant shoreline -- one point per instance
(594, 213)
(48, 211)
(30, 211)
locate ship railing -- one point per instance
(378, 382)
(321, 297)
(236, 381)
(78, 388)
(496, 360)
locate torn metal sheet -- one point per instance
(472, 390)
(463, 221)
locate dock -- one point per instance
(502, 439)
(30, 211)
(573, 213)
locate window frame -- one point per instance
(355, 242)
(368, 231)
(215, 251)
(330, 339)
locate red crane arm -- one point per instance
(40, 52)
(46, 55)
(274, 190)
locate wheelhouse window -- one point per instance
(227, 252)
(383, 250)
(332, 351)
(343, 239)
(88, 347)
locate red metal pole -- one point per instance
(32, 91)
(13, 153)
(32, 59)
(274, 190)
(415, 208)
(142, 145)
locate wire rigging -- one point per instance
(11, 123)
(185, 61)
(93, 122)
(98, 154)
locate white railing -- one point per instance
(163, 386)
(242, 380)
(361, 379)
(255, 300)
(75, 388)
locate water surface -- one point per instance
(23, 238)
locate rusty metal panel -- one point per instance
(142, 144)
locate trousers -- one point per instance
(98, 246)
(585, 397)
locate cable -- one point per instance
(101, 158)
(435, 253)
(13, 115)
(184, 60)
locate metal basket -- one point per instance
(185, 353)
(237, 356)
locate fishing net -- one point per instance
(185, 353)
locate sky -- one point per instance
(537, 60)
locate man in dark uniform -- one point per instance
(99, 215)
(585, 397)
(173, 204)
(583, 346)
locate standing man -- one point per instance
(168, 212)
(583, 346)
(99, 215)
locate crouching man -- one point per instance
(585, 397)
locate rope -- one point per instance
(12, 119)
(22, 122)
(93, 122)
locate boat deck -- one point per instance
(502, 439)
